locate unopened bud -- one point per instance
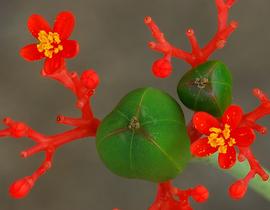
(238, 190)
(162, 68)
(21, 188)
(200, 194)
(90, 79)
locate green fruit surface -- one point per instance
(207, 87)
(154, 148)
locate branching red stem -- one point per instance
(198, 55)
(172, 198)
(85, 126)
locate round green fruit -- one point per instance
(144, 137)
(207, 87)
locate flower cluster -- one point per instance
(231, 136)
(235, 130)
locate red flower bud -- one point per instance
(21, 188)
(90, 79)
(162, 68)
(238, 190)
(200, 194)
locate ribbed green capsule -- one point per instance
(207, 87)
(144, 137)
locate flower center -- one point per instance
(221, 138)
(201, 82)
(49, 43)
(134, 124)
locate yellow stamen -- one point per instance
(227, 131)
(215, 130)
(49, 43)
(223, 149)
(231, 142)
(221, 139)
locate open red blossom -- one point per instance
(222, 136)
(53, 43)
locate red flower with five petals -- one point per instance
(221, 136)
(53, 44)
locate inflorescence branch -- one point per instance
(85, 126)
(172, 198)
(162, 67)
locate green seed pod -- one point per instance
(207, 87)
(144, 137)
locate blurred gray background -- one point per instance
(113, 40)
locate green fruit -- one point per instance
(144, 137)
(207, 87)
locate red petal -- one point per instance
(201, 148)
(228, 159)
(36, 23)
(30, 53)
(71, 48)
(244, 136)
(203, 122)
(64, 24)
(232, 116)
(54, 64)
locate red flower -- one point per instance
(53, 44)
(222, 136)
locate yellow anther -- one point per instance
(227, 131)
(231, 142)
(212, 142)
(215, 130)
(223, 149)
(220, 141)
(221, 138)
(49, 43)
(212, 136)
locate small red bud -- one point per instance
(162, 68)
(238, 190)
(200, 194)
(21, 188)
(90, 79)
